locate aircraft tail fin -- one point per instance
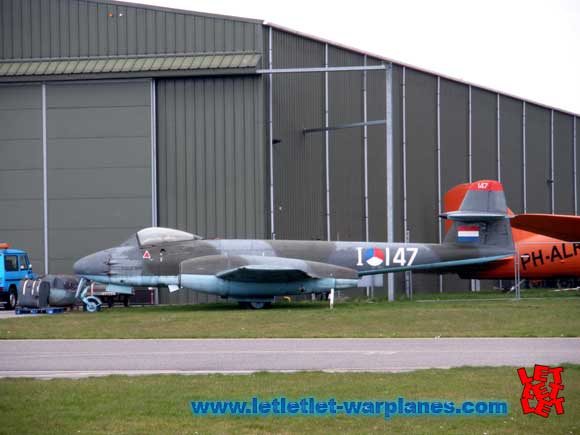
(482, 218)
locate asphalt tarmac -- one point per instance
(84, 358)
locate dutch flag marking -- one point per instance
(468, 233)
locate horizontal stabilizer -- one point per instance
(469, 216)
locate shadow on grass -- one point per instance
(225, 306)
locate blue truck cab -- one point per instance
(14, 266)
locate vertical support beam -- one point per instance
(552, 179)
(369, 290)
(498, 137)
(153, 120)
(366, 153)
(44, 178)
(406, 231)
(271, 136)
(574, 154)
(439, 196)
(469, 141)
(525, 184)
(390, 177)
(474, 282)
(326, 144)
(404, 119)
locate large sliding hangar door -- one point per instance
(75, 167)
(99, 166)
(21, 174)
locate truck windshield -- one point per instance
(23, 262)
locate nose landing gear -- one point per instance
(91, 304)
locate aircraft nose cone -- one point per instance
(94, 264)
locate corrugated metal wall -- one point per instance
(511, 152)
(21, 186)
(211, 169)
(537, 159)
(346, 157)
(299, 159)
(563, 164)
(421, 151)
(78, 28)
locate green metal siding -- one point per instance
(537, 159)
(210, 156)
(454, 135)
(511, 152)
(563, 164)
(421, 103)
(377, 152)
(99, 166)
(77, 28)
(299, 159)
(484, 134)
(21, 186)
(346, 148)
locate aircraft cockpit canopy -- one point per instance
(157, 235)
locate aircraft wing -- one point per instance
(262, 269)
(561, 227)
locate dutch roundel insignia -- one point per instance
(146, 255)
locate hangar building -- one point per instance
(116, 116)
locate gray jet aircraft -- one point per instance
(253, 272)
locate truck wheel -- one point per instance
(12, 299)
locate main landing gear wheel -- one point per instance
(258, 305)
(92, 304)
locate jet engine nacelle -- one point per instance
(223, 287)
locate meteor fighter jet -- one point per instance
(255, 271)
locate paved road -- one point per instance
(82, 358)
(7, 314)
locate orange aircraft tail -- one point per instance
(561, 227)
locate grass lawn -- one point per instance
(545, 317)
(160, 404)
